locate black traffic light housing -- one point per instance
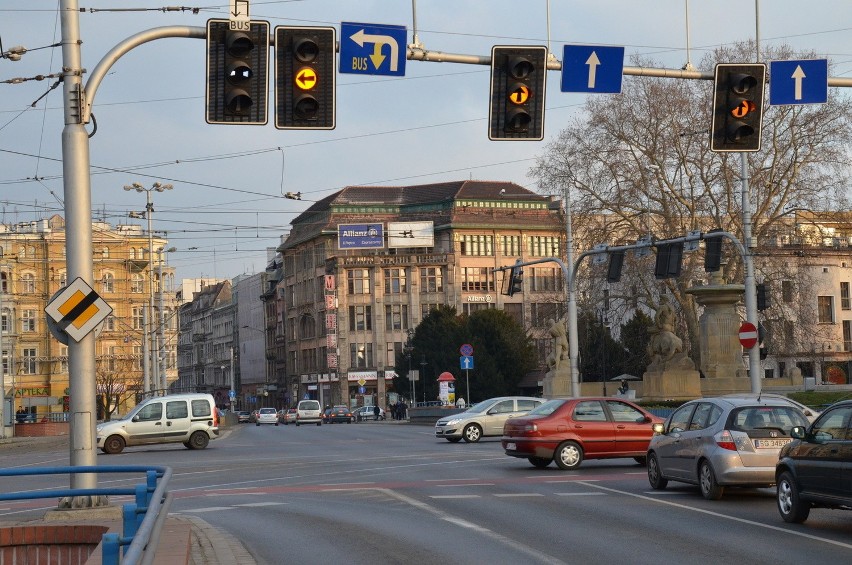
(737, 107)
(237, 73)
(616, 262)
(762, 297)
(713, 252)
(518, 80)
(305, 75)
(516, 280)
(668, 260)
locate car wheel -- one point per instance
(710, 489)
(319, 423)
(472, 433)
(568, 455)
(257, 424)
(539, 462)
(276, 423)
(198, 440)
(113, 444)
(453, 439)
(297, 424)
(641, 460)
(790, 506)
(655, 474)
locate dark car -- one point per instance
(338, 415)
(568, 430)
(813, 470)
(326, 415)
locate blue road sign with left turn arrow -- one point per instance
(466, 361)
(592, 68)
(372, 49)
(798, 82)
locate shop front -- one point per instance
(367, 389)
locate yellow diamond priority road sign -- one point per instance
(78, 309)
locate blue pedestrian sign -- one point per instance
(466, 362)
(592, 68)
(798, 82)
(372, 49)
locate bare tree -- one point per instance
(118, 380)
(640, 163)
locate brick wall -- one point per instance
(43, 544)
(42, 429)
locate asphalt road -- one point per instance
(392, 493)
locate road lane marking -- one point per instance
(345, 484)
(209, 509)
(257, 504)
(580, 493)
(724, 516)
(440, 514)
(455, 496)
(449, 480)
(518, 494)
(469, 485)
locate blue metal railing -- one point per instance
(142, 521)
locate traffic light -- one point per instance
(516, 280)
(237, 73)
(305, 75)
(762, 297)
(518, 76)
(668, 260)
(613, 271)
(713, 252)
(737, 107)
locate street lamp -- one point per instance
(150, 342)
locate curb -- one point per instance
(213, 546)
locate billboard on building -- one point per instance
(411, 234)
(360, 236)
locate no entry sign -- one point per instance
(748, 335)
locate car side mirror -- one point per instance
(658, 428)
(798, 432)
(643, 419)
(135, 418)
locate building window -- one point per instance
(4, 283)
(307, 327)
(787, 291)
(544, 246)
(396, 316)
(5, 368)
(358, 281)
(136, 283)
(847, 335)
(28, 321)
(545, 279)
(510, 245)
(28, 361)
(395, 281)
(63, 278)
(63, 358)
(5, 317)
(479, 245)
(138, 321)
(825, 308)
(426, 308)
(360, 318)
(360, 355)
(137, 356)
(28, 283)
(108, 282)
(431, 279)
(844, 296)
(476, 279)
(469, 308)
(542, 312)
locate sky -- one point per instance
(430, 125)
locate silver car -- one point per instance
(485, 418)
(722, 441)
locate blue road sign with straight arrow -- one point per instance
(466, 361)
(798, 82)
(592, 68)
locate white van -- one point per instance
(191, 419)
(309, 412)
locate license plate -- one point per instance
(771, 443)
(511, 446)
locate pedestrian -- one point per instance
(21, 415)
(376, 412)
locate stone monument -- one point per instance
(557, 380)
(671, 374)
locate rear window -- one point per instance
(751, 419)
(309, 405)
(268, 411)
(201, 408)
(548, 407)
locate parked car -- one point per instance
(287, 416)
(722, 441)
(367, 413)
(569, 430)
(813, 469)
(810, 413)
(486, 418)
(191, 419)
(253, 416)
(340, 414)
(267, 416)
(308, 412)
(243, 416)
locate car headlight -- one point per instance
(453, 422)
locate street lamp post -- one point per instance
(150, 370)
(423, 376)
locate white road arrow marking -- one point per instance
(798, 75)
(593, 63)
(361, 38)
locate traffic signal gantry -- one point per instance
(737, 107)
(516, 279)
(305, 75)
(237, 73)
(518, 80)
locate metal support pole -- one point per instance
(750, 288)
(232, 392)
(149, 326)
(78, 255)
(573, 347)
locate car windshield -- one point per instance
(547, 408)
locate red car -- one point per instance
(568, 430)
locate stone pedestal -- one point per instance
(671, 384)
(557, 383)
